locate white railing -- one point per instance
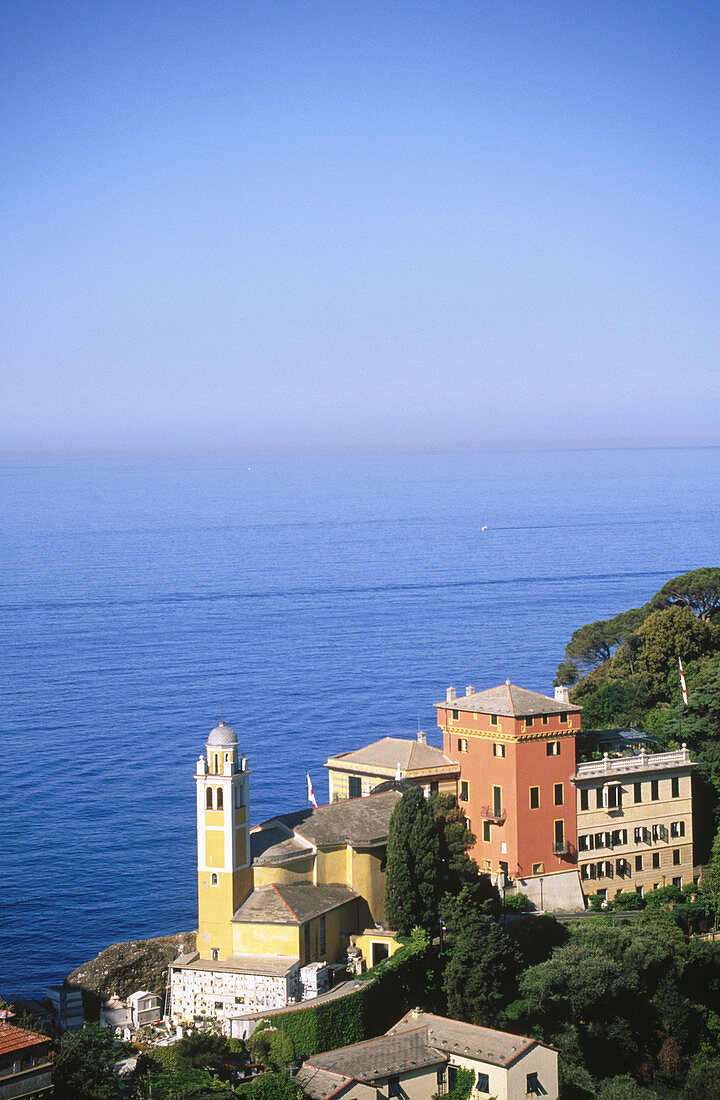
(642, 762)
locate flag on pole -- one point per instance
(683, 685)
(310, 792)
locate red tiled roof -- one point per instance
(15, 1038)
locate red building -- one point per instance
(516, 751)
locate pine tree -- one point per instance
(413, 863)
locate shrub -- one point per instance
(628, 900)
(519, 903)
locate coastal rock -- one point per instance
(125, 968)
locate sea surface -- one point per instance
(318, 602)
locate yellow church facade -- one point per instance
(275, 898)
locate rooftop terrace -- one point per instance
(614, 766)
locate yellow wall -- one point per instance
(364, 944)
(340, 924)
(369, 881)
(332, 866)
(298, 871)
(266, 939)
(215, 848)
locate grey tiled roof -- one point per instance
(361, 822)
(376, 1059)
(320, 1084)
(390, 752)
(509, 701)
(291, 903)
(272, 845)
(497, 1048)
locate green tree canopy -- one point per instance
(593, 644)
(699, 590)
(412, 884)
(184, 1084)
(455, 841)
(667, 635)
(84, 1065)
(480, 977)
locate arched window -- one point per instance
(216, 765)
(213, 879)
(215, 953)
(208, 799)
(219, 798)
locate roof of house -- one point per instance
(485, 1044)
(14, 1038)
(291, 903)
(379, 1058)
(321, 1084)
(509, 701)
(390, 753)
(360, 822)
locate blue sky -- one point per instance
(239, 225)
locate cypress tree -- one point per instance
(413, 864)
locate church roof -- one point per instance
(292, 903)
(390, 752)
(509, 701)
(360, 822)
(275, 844)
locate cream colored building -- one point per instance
(634, 822)
(355, 774)
(277, 897)
(420, 1057)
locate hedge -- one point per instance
(386, 993)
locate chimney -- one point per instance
(450, 695)
(422, 737)
(562, 694)
(469, 690)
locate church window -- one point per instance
(219, 798)
(215, 954)
(208, 798)
(213, 879)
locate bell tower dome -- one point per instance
(224, 874)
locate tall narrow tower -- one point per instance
(224, 874)
(516, 751)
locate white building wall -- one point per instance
(222, 995)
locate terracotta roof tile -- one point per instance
(16, 1038)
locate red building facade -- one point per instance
(516, 751)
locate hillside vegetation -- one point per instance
(624, 671)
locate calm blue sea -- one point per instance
(320, 602)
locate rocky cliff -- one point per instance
(124, 968)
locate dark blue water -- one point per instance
(321, 602)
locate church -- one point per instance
(277, 898)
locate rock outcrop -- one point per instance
(124, 968)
